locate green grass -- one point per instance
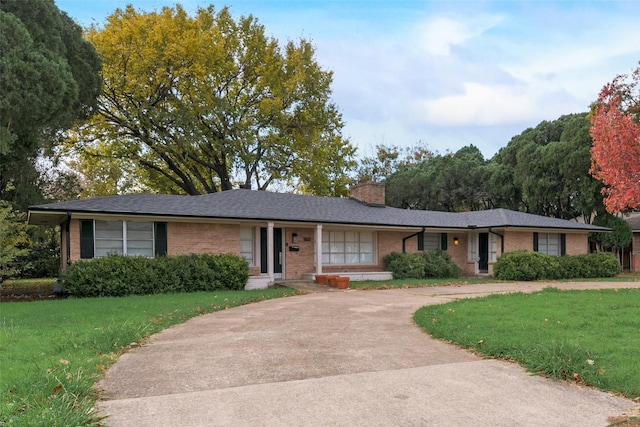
(420, 283)
(416, 283)
(53, 352)
(29, 282)
(590, 337)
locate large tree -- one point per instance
(49, 76)
(450, 182)
(205, 102)
(545, 170)
(615, 128)
(389, 159)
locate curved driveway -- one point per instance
(342, 358)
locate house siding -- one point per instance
(460, 254)
(183, 238)
(635, 245)
(74, 236)
(302, 261)
(194, 237)
(576, 244)
(518, 241)
(386, 242)
(197, 238)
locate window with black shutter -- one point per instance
(86, 238)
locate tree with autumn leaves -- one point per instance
(615, 129)
(203, 103)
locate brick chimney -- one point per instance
(370, 193)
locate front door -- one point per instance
(277, 252)
(483, 252)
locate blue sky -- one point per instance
(443, 73)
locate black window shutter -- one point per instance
(421, 241)
(263, 250)
(535, 242)
(86, 238)
(161, 238)
(443, 241)
(563, 244)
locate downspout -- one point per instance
(404, 240)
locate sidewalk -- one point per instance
(348, 358)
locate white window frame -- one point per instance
(253, 258)
(545, 245)
(122, 239)
(473, 247)
(341, 247)
(493, 247)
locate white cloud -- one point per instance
(480, 105)
(452, 72)
(437, 36)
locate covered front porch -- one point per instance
(286, 251)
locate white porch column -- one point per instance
(270, 254)
(319, 249)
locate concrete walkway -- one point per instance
(345, 358)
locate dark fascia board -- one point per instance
(532, 227)
(231, 218)
(62, 214)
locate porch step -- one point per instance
(303, 285)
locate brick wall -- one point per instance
(518, 240)
(194, 238)
(183, 238)
(74, 236)
(368, 192)
(392, 242)
(460, 253)
(188, 237)
(302, 261)
(577, 244)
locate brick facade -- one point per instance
(635, 255)
(576, 244)
(195, 238)
(518, 241)
(74, 237)
(192, 237)
(368, 192)
(302, 261)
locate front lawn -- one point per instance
(421, 283)
(53, 352)
(417, 283)
(590, 337)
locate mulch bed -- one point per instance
(17, 293)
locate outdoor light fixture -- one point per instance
(455, 241)
(294, 237)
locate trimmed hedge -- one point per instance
(527, 266)
(138, 275)
(435, 264)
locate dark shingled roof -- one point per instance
(261, 205)
(634, 221)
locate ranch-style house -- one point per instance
(290, 236)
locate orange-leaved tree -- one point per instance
(615, 129)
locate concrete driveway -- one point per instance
(343, 358)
